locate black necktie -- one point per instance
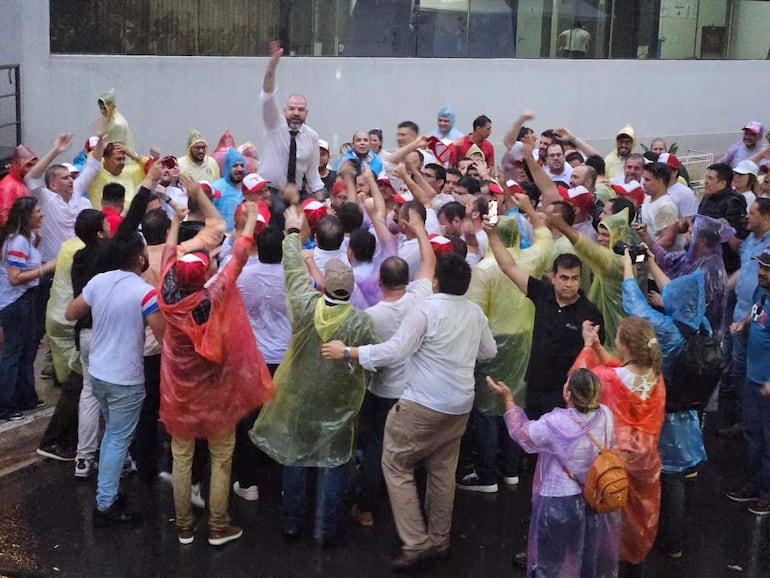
(291, 172)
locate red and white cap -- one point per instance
(513, 186)
(755, 127)
(441, 244)
(495, 189)
(210, 191)
(322, 144)
(263, 215)
(91, 143)
(339, 188)
(314, 211)
(253, 183)
(670, 160)
(71, 168)
(191, 270)
(633, 190)
(579, 197)
(399, 199)
(517, 151)
(384, 179)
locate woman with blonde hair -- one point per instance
(566, 537)
(633, 389)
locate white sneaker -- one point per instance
(511, 480)
(250, 494)
(85, 467)
(196, 498)
(166, 477)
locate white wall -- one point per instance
(694, 103)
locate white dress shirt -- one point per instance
(275, 148)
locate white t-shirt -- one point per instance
(659, 214)
(59, 215)
(264, 295)
(388, 382)
(563, 176)
(685, 199)
(19, 252)
(119, 300)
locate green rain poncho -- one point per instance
(510, 314)
(311, 420)
(607, 268)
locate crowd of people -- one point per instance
(398, 312)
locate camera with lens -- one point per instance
(637, 252)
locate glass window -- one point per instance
(638, 29)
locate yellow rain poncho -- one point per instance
(61, 333)
(607, 268)
(510, 314)
(208, 170)
(311, 420)
(117, 125)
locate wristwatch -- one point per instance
(346, 353)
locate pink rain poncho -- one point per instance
(566, 537)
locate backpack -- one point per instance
(696, 371)
(606, 485)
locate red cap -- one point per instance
(314, 212)
(210, 191)
(399, 199)
(670, 160)
(253, 183)
(339, 187)
(441, 245)
(632, 190)
(191, 270)
(579, 197)
(263, 215)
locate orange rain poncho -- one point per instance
(212, 374)
(637, 430)
(12, 185)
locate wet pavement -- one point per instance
(46, 530)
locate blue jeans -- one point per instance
(756, 432)
(493, 438)
(330, 491)
(120, 406)
(17, 364)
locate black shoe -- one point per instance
(290, 534)
(36, 404)
(747, 493)
(57, 452)
(116, 514)
(14, 416)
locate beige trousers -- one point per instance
(413, 433)
(221, 453)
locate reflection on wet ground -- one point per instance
(45, 530)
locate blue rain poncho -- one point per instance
(681, 441)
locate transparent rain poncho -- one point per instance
(117, 125)
(607, 269)
(510, 314)
(681, 441)
(311, 420)
(704, 252)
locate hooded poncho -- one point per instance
(311, 420)
(117, 125)
(510, 314)
(12, 185)
(212, 373)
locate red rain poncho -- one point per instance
(12, 185)
(637, 430)
(212, 374)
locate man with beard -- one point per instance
(290, 147)
(230, 186)
(624, 144)
(196, 162)
(749, 145)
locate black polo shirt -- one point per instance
(557, 337)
